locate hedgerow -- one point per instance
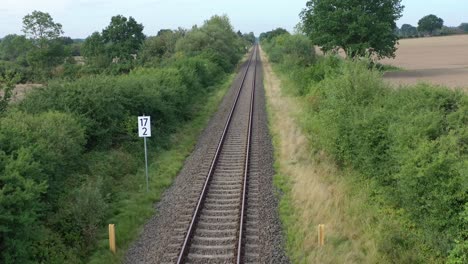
(412, 141)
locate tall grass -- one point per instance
(314, 191)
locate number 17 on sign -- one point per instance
(144, 131)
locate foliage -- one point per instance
(48, 48)
(43, 60)
(215, 39)
(430, 23)
(464, 27)
(358, 27)
(37, 154)
(114, 49)
(7, 84)
(69, 152)
(159, 47)
(123, 37)
(408, 30)
(444, 31)
(249, 37)
(411, 142)
(40, 27)
(94, 51)
(272, 34)
(38, 55)
(292, 50)
(15, 48)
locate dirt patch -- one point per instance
(21, 89)
(436, 60)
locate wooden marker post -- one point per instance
(112, 237)
(321, 234)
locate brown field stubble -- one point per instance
(435, 60)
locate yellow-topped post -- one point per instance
(112, 237)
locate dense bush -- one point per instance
(291, 50)
(413, 142)
(216, 40)
(38, 153)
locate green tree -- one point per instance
(15, 48)
(44, 59)
(20, 206)
(160, 46)
(464, 27)
(273, 33)
(216, 38)
(250, 37)
(37, 155)
(40, 27)
(49, 50)
(358, 27)
(430, 23)
(123, 37)
(94, 50)
(408, 30)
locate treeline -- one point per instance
(412, 143)
(430, 25)
(68, 150)
(44, 53)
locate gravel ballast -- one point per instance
(158, 232)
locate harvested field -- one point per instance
(436, 60)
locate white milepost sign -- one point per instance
(144, 131)
(144, 126)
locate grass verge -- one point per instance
(138, 206)
(315, 191)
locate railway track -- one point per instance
(223, 227)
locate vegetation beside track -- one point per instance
(410, 145)
(70, 158)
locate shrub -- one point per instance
(412, 142)
(38, 152)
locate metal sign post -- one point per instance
(144, 131)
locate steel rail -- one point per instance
(246, 168)
(185, 246)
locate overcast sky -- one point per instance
(82, 17)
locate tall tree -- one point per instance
(94, 50)
(357, 26)
(216, 37)
(49, 50)
(408, 30)
(430, 23)
(123, 37)
(40, 27)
